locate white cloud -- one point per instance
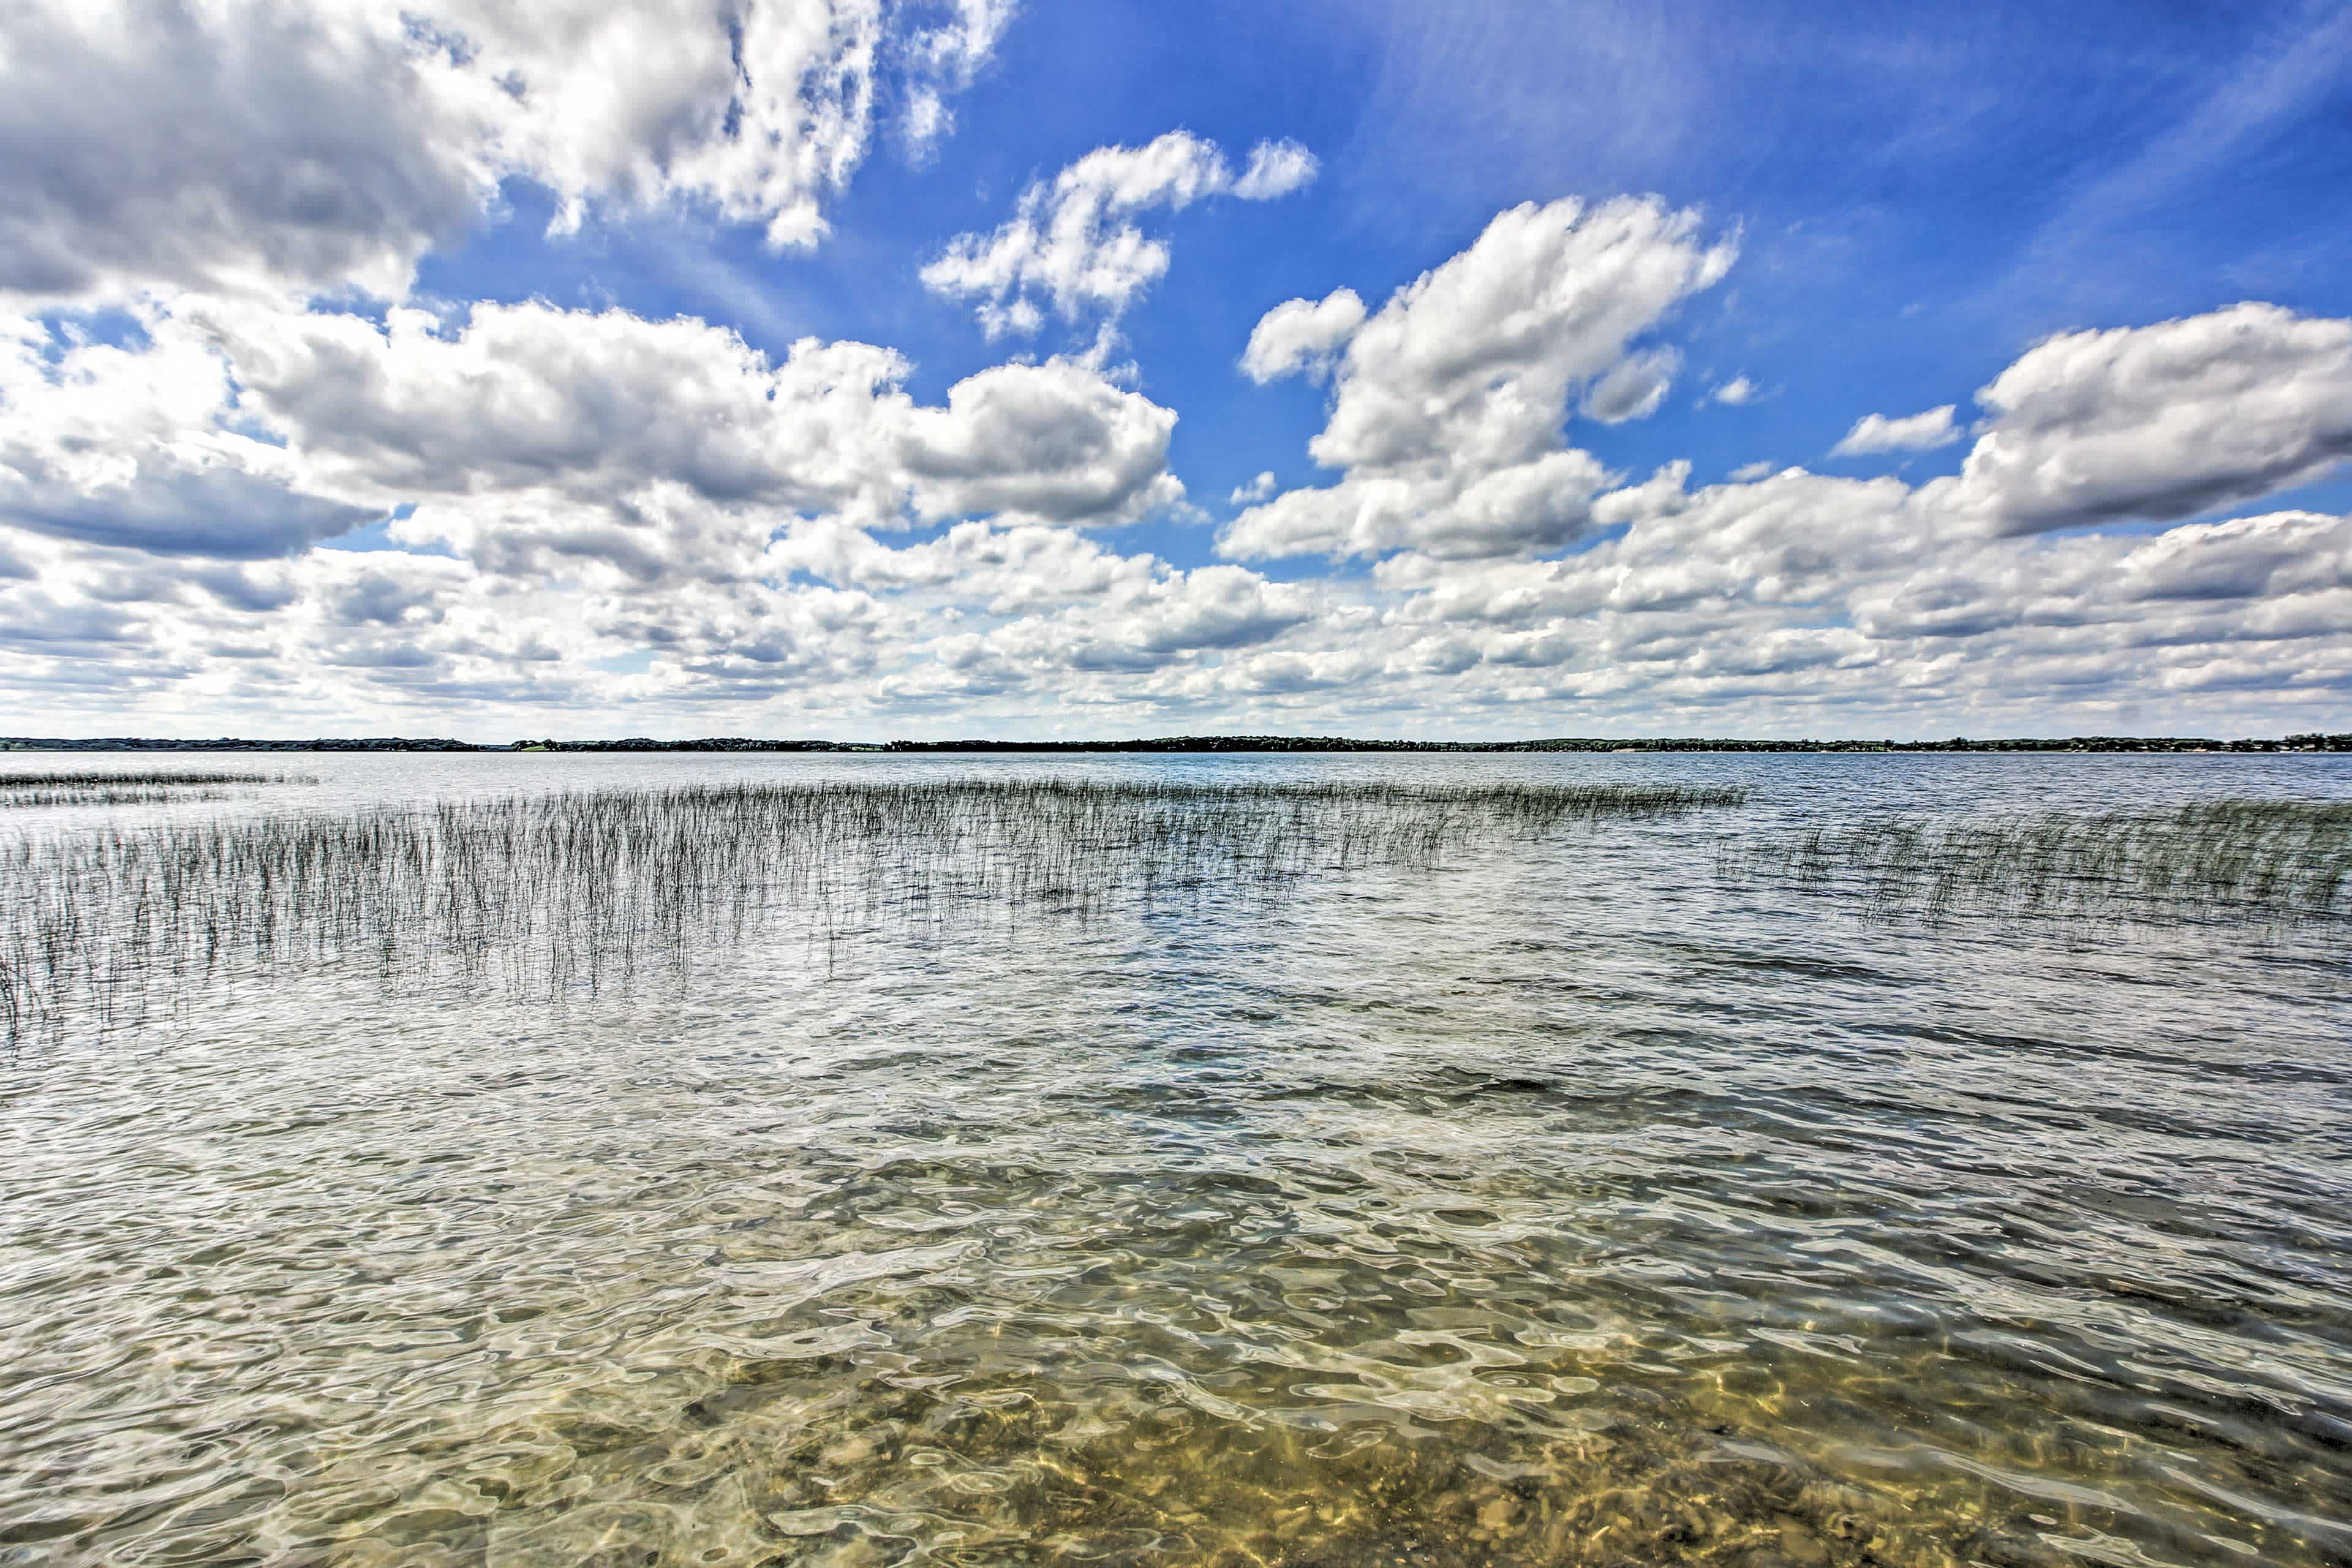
(1302, 335)
(604, 492)
(1478, 356)
(1054, 441)
(942, 59)
(596, 407)
(322, 144)
(2161, 422)
(1076, 241)
(1875, 433)
(521, 436)
(1737, 393)
(1209, 609)
(1062, 601)
(1633, 387)
(129, 445)
(587, 407)
(1256, 489)
(1447, 404)
(1749, 471)
(1276, 169)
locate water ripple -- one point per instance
(1550, 1204)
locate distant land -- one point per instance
(1239, 744)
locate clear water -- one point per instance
(1570, 1205)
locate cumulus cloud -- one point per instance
(326, 144)
(1845, 597)
(1480, 355)
(1840, 597)
(1875, 433)
(2173, 599)
(127, 446)
(1302, 335)
(1064, 602)
(611, 407)
(1210, 609)
(1054, 441)
(585, 404)
(522, 435)
(2161, 422)
(614, 515)
(1633, 387)
(1075, 240)
(1737, 393)
(1448, 403)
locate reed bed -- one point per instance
(569, 893)
(108, 797)
(2218, 861)
(145, 788)
(153, 779)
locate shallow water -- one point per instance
(1573, 1202)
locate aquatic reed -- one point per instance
(2239, 861)
(566, 893)
(154, 778)
(136, 797)
(148, 788)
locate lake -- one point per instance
(1580, 1188)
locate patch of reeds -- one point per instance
(554, 894)
(121, 788)
(105, 796)
(2243, 861)
(157, 779)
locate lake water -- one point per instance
(1572, 1202)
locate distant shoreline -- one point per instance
(1244, 744)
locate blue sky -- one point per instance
(220, 509)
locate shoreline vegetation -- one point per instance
(2113, 745)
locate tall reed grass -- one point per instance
(135, 796)
(2236, 860)
(567, 894)
(145, 788)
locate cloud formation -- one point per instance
(602, 510)
(1302, 336)
(232, 145)
(1448, 403)
(1074, 240)
(525, 434)
(2161, 422)
(1875, 433)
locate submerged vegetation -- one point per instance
(2234, 860)
(545, 895)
